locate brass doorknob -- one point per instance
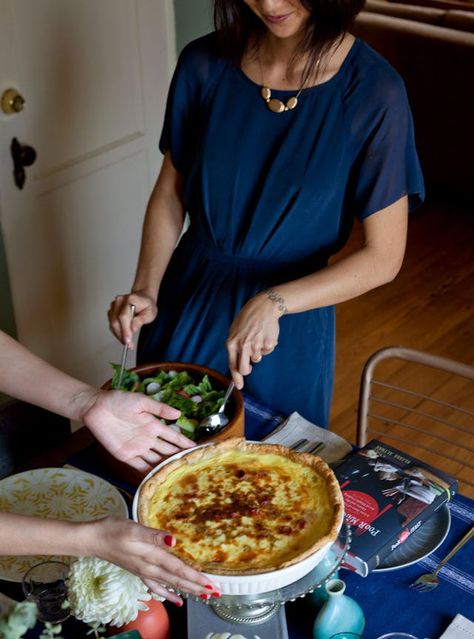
(12, 101)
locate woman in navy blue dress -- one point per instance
(280, 129)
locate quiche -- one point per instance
(242, 508)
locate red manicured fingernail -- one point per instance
(169, 540)
(216, 594)
(204, 595)
(178, 603)
(209, 587)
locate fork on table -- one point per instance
(302, 446)
(428, 582)
(315, 447)
(301, 443)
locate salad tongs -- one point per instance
(125, 351)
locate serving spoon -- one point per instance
(215, 422)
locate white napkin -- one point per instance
(296, 427)
(459, 628)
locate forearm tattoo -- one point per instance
(274, 297)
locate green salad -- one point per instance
(192, 394)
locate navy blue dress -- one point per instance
(270, 198)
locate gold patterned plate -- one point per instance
(55, 493)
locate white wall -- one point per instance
(193, 19)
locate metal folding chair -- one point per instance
(423, 404)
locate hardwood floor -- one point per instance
(428, 307)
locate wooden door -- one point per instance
(94, 75)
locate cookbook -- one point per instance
(388, 495)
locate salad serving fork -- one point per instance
(430, 581)
(125, 351)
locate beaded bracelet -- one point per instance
(274, 297)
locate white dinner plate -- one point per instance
(429, 536)
(68, 494)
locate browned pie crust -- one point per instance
(319, 466)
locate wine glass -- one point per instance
(45, 585)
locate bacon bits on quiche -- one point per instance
(238, 507)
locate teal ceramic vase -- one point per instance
(320, 595)
(339, 613)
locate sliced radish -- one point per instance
(152, 388)
(175, 427)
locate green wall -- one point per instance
(193, 19)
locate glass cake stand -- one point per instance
(258, 608)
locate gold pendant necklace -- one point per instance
(274, 104)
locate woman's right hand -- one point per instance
(120, 321)
(145, 552)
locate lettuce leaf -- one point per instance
(170, 383)
(129, 379)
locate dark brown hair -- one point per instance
(239, 28)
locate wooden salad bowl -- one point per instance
(234, 410)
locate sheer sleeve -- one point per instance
(196, 72)
(178, 134)
(387, 166)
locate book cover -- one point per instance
(388, 494)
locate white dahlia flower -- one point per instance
(102, 593)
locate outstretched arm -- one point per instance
(140, 550)
(126, 424)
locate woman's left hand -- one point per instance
(253, 334)
(144, 552)
(128, 426)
